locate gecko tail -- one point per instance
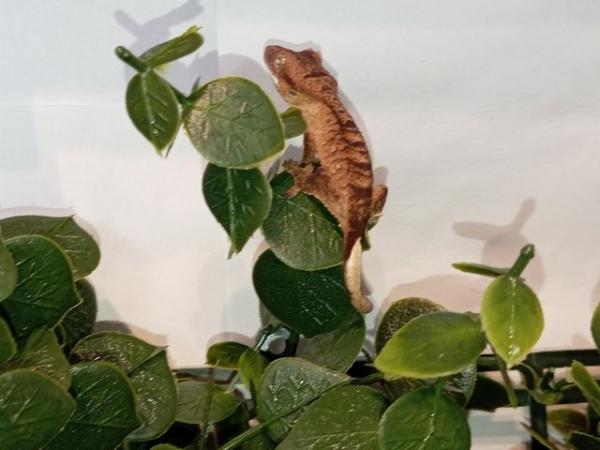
(353, 278)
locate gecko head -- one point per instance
(300, 76)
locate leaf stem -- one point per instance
(526, 255)
(510, 389)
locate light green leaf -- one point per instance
(583, 441)
(587, 385)
(165, 447)
(311, 303)
(173, 49)
(81, 248)
(105, 412)
(288, 383)
(300, 230)
(48, 408)
(79, 321)
(346, 417)
(293, 122)
(8, 272)
(252, 366)
(8, 346)
(239, 200)
(426, 417)
(203, 403)
(432, 345)
(234, 124)
(45, 290)
(567, 420)
(512, 318)
(153, 108)
(149, 373)
(225, 354)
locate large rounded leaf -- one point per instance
(45, 290)
(105, 412)
(147, 368)
(75, 242)
(311, 303)
(79, 321)
(346, 417)
(8, 346)
(288, 383)
(203, 403)
(512, 318)
(432, 345)
(239, 200)
(34, 409)
(8, 272)
(426, 418)
(234, 124)
(300, 231)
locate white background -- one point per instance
(482, 118)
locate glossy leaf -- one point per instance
(234, 124)
(288, 383)
(173, 49)
(239, 200)
(584, 441)
(310, 303)
(8, 272)
(203, 403)
(300, 231)
(153, 108)
(149, 373)
(293, 122)
(587, 385)
(79, 321)
(567, 420)
(596, 326)
(48, 408)
(481, 269)
(8, 346)
(45, 291)
(512, 318)
(346, 417)
(225, 354)
(81, 248)
(252, 366)
(432, 345)
(427, 417)
(105, 412)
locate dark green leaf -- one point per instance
(288, 383)
(225, 354)
(34, 409)
(583, 441)
(8, 346)
(79, 321)
(346, 417)
(586, 384)
(252, 367)
(300, 231)
(234, 124)
(173, 49)
(75, 242)
(293, 122)
(105, 412)
(481, 269)
(45, 290)
(153, 108)
(432, 345)
(567, 420)
(239, 200)
(311, 303)
(147, 368)
(203, 403)
(8, 271)
(425, 417)
(596, 326)
(512, 318)
(488, 395)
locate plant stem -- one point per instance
(526, 255)
(510, 390)
(292, 343)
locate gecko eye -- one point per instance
(279, 62)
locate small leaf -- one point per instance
(225, 354)
(310, 303)
(481, 269)
(432, 345)
(8, 272)
(512, 318)
(234, 124)
(239, 200)
(300, 231)
(165, 447)
(293, 122)
(105, 412)
(346, 417)
(79, 321)
(153, 108)
(8, 346)
(596, 326)
(583, 441)
(203, 403)
(34, 409)
(252, 367)
(173, 49)
(567, 420)
(587, 385)
(427, 417)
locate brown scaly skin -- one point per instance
(336, 167)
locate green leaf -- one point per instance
(173, 49)
(8, 271)
(512, 318)
(481, 269)
(488, 395)
(310, 303)
(540, 438)
(149, 373)
(239, 200)
(105, 412)
(336, 350)
(432, 345)
(203, 403)
(300, 231)
(225, 354)
(252, 366)
(596, 326)
(583, 441)
(74, 241)
(45, 290)
(288, 383)
(8, 346)
(586, 384)
(34, 409)
(165, 447)
(346, 417)
(426, 417)
(234, 124)
(153, 108)
(293, 122)
(79, 321)
(567, 420)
